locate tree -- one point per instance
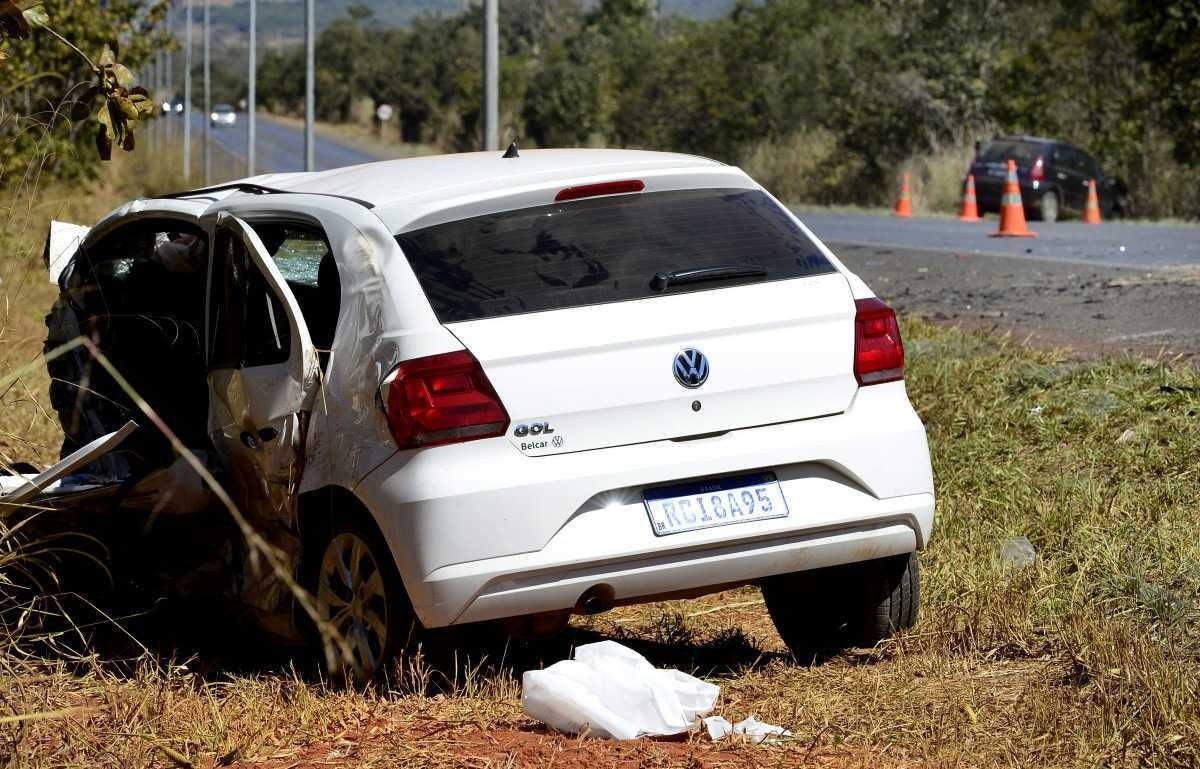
(69, 82)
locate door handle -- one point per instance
(265, 435)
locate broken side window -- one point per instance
(302, 253)
(248, 323)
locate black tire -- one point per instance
(1050, 207)
(823, 611)
(370, 621)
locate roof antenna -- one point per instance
(511, 152)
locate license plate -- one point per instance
(718, 502)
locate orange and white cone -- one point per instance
(1012, 210)
(1091, 214)
(970, 205)
(903, 207)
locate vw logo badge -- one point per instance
(691, 368)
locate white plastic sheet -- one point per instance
(756, 731)
(612, 692)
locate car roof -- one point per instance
(408, 191)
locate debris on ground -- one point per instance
(612, 692)
(1017, 553)
(754, 730)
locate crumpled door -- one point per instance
(262, 375)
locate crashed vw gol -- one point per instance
(472, 387)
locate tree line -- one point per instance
(830, 100)
(823, 102)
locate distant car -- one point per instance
(597, 378)
(1053, 174)
(223, 114)
(173, 107)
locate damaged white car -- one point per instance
(472, 387)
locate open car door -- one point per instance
(262, 377)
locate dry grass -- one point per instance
(1087, 658)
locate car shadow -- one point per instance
(215, 646)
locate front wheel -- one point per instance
(361, 601)
(857, 604)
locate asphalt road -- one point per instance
(280, 146)
(1112, 243)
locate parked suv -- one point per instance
(1053, 174)
(467, 388)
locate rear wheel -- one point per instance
(361, 600)
(858, 604)
(1048, 211)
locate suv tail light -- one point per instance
(1038, 171)
(878, 350)
(441, 399)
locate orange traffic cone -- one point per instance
(1091, 214)
(1012, 210)
(970, 207)
(903, 207)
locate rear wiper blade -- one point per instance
(664, 280)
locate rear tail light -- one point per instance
(878, 351)
(1038, 172)
(441, 399)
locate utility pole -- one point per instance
(251, 92)
(187, 98)
(207, 97)
(491, 74)
(169, 72)
(310, 99)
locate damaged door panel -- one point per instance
(262, 376)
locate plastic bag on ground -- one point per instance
(719, 728)
(612, 692)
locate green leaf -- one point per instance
(104, 116)
(107, 57)
(123, 75)
(126, 106)
(36, 16)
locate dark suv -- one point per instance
(1054, 178)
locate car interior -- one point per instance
(138, 294)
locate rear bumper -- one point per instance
(481, 532)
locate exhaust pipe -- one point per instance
(596, 599)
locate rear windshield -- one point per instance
(606, 249)
(1000, 151)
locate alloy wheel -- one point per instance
(352, 598)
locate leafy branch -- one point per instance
(113, 99)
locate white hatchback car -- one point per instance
(472, 387)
